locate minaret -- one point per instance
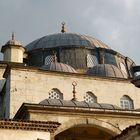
(13, 50)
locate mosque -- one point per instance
(68, 86)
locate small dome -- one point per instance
(106, 70)
(13, 41)
(55, 66)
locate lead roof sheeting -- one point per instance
(106, 70)
(107, 106)
(80, 104)
(110, 72)
(65, 39)
(116, 107)
(55, 102)
(68, 103)
(55, 66)
(94, 105)
(44, 102)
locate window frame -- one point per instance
(55, 94)
(126, 102)
(91, 60)
(48, 59)
(90, 97)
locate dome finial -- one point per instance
(13, 36)
(13, 41)
(74, 84)
(54, 56)
(63, 27)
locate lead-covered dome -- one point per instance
(55, 66)
(65, 39)
(106, 70)
(81, 52)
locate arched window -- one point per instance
(90, 98)
(91, 60)
(126, 102)
(48, 59)
(55, 94)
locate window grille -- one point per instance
(91, 60)
(55, 94)
(48, 59)
(90, 98)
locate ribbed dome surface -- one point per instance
(106, 70)
(77, 104)
(55, 66)
(66, 39)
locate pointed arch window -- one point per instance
(90, 97)
(126, 102)
(55, 94)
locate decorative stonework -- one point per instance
(29, 125)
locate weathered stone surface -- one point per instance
(33, 86)
(23, 135)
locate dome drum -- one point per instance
(78, 57)
(35, 58)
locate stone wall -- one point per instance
(6, 134)
(2, 84)
(111, 123)
(33, 86)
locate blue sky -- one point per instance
(115, 22)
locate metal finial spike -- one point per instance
(63, 27)
(54, 56)
(74, 84)
(13, 36)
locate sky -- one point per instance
(115, 22)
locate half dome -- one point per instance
(55, 66)
(106, 70)
(65, 40)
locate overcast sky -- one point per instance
(115, 22)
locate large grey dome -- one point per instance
(55, 66)
(81, 52)
(65, 39)
(106, 70)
